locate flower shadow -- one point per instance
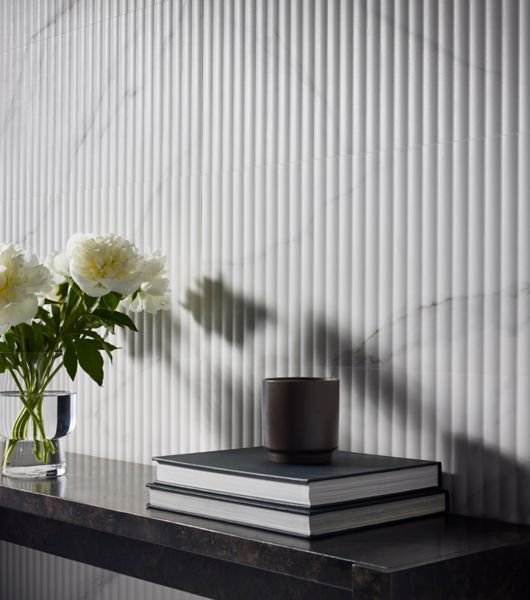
(221, 310)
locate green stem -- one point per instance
(46, 377)
(15, 379)
(20, 421)
(50, 378)
(36, 418)
(19, 426)
(32, 408)
(33, 377)
(26, 372)
(18, 431)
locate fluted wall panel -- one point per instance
(31, 575)
(341, 187)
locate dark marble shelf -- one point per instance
(97, 514)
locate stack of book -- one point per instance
(241, 486)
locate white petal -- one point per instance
(92, 289)
(27, 309)
(75, 241)
(32, 261)
(37, 279)
(21, 311)
(58, 264)
(122, 286)
(155, 303)
(62, 264)
(157, 288)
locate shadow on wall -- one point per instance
(236, 318)
(154, 339)
(215, 307)
(218, 309)
(505, 490)
(483, 480)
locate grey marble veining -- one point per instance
(353, 175)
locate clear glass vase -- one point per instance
(32, 423)
(58, 412)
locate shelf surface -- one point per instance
(104, 501)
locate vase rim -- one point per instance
(16, 393)
(301, 379)
(36, 353)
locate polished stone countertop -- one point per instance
(110, 496)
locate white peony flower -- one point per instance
(100, 264)
(57, 264)
(22, 280)
(153, 294)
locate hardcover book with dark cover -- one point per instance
(294, 519)
(246, 472)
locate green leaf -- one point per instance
(84, 322)
(27, 336)
(38, 338)
(91, 302)
(3, 363)
(71, 297)
(107, 347)
(45, 322)
(42, 313)
(111, 300)
(116, 318)
(56, 315)
(89, 321)
(100, 340)
(9, 338)
(90, 359)
(70, 359)
(62, 289)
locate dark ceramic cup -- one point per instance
(300, 419)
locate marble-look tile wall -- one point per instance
(31, 575)
(341, 187)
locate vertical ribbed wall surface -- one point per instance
(341, 187)
(31, 575)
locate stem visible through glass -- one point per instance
(31, 393)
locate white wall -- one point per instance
(341, 187)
